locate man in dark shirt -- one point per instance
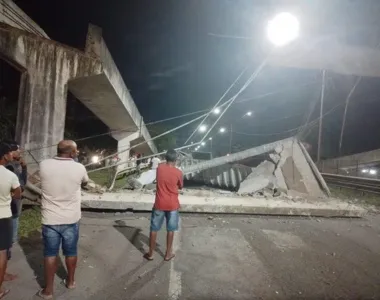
(169, 180)
(20, 169)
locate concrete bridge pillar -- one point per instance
(123, 143)
(41, 114)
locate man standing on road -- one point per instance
(166, 206)
(20, 169)
(61, 182)
(9, 184)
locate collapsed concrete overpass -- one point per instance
(49, 69)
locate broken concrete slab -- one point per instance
(254, 184)
(261, 177)
(231, 205)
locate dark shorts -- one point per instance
(157, 219)
(55, 235)
(6, 234)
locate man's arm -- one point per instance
(15, 188)
(180, 181)
(24, 172)
(85, 178)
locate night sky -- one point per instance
(177, 57)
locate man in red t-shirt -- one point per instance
(169, 180)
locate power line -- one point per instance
(248, 82)
(156, 137)
(168, 119)
(120, 130)
(216, 105)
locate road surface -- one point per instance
(218, 257)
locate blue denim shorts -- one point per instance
(157, 219)
(55, 235)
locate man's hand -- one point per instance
(22, 163)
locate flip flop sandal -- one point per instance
(147, 257)
(4, 293)
(45, 297)
(65, 284)
(170, 258)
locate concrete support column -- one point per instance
(41, 114)
(123, 143)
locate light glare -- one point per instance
(283, 29)
(222, 130)
(202, 128)
(95, 159)
(217, 111)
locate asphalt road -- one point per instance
(219, 257)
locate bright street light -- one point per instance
(373, 172)
(202, 128)
(249, 113)
(210, 138)
(283, 29)
(203, 143)
(222, 130)
(95, 159)
(216, 111)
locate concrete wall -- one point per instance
(46, 68)
(350, 162)
(12, 15)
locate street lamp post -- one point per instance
(231, 138)
(321, 115)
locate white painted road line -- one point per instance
(175, 277)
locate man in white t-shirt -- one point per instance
(9, 184)
(155, 162)
(61, 181)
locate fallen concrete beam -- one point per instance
(226, 205)
(234, 157)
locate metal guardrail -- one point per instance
(368, 185)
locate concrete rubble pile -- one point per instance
(288, 170)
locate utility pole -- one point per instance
(349, 96)
(321, 115)
(230, 138)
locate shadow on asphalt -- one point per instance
(123, 286)
(136, 237)
(32, 247)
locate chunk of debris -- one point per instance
(262, 177)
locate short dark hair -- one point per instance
(171, 155)
(12, 144)
(4, 149)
